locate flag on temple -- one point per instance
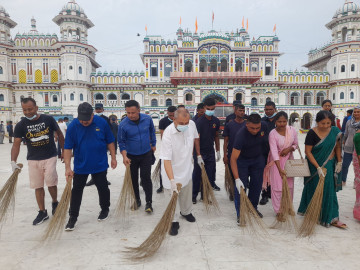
(243, 23)
(196, 25)
(213, 16)
(180, 20)
(247, 25)
(146, 28)
(274, 28)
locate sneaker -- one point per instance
(148, 208)
(103, 215)
(264, 200)
(258, 212)
(238, 221)
(216, 188)
(174, 228)
(194, 200)
(136, 205)
(90, 183)
(71, 224)
(54, 205)
(189, 217)
(160, 190)
(41, 217)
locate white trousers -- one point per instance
(184, 202)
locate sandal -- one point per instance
(339, 224)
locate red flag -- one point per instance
(243, 23)
(247, 25)
(213, 16)
(180, 21)
(146, 28)
(196, 25)
(274, 30)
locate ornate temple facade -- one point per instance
(60, 72)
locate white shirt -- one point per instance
(63, 128)
(178, 147)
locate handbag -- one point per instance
(297, 167)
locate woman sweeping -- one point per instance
(322, 144)
(356, 161)
(283, 141)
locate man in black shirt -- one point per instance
(232, 116)
(268, 119)
(114, 129)
(38, 131)
(163, 124)
(200, 111)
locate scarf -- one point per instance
(353, 123)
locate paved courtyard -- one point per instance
(213, 242)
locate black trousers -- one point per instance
(79, 182)
(142, 162)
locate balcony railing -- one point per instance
(213, 75)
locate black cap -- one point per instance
(99, 105)
(85, 111)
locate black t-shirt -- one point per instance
(251, 146)
(312, 138)
(106, 119)
(207, 130)
(230, 130)
(230, 118)
(39, 136)
(164, 123)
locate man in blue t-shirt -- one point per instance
(137, 143)
(247, 160)
(208, 128)
(89, 137)
(229, 135)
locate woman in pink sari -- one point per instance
(355, 123)
(283, 141)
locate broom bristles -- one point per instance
(209, 198)
(229, 181)
(286, 215)
(57, 223)
(155, 176)
(151, 245)
(127, 198)
(249, 218)
(312, 214)
(7, 195)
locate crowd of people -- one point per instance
(255, 149)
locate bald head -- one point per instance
(181, 117)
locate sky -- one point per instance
(300, 24)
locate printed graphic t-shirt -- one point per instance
(39, 136)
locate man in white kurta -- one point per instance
(177, 165)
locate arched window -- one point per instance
(254, 102)
(238, 66)
(81, 97)
(353, 67)
(213, 65)
(70, 67)
(99, 96)
(2, 97)
(55, 98)
(203, 65)
(343, 68)
(334, 96)
(238, 96)
(188, 66)
(154, 102)
(294, 98)
(342, 95)
(80, 70)
(54, 76)
(351, 95)
(268, 69)
(112, 97)
(168, 102)
(188, 97)
(268, 99)
(1, 70)
(72, 96)
(125, 96)
(307, 98)
(224, 65)
(320, 97)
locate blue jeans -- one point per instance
(251, 174)
(345, 166)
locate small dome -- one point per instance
(3, 12)
(348, 8)
(72, 6)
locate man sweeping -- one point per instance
(247, 160)
(176, 154)
(38, 131)
(89, 137)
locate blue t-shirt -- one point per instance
(207, 130)
(251, 146)
(89, 145)
(230, 131)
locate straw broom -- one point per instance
(57, 223)
(286, 213)
(229, 181)
(151, 245)
(155, 176)
(7, 194)
(208, 193)
(249, 217)
(127, 196)
(312, 214)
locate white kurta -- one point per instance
(178, 147)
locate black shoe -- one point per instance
(103, 215)
(54, 205)
(148, 208)
(189, 217)
(90, 183)
(260, 215)
(216, 188)
(174, 228)
(264, 200)
(108, 183)
(71, 224)
(41, 217)
(238, 221)
(194, 200)
(160, 190)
